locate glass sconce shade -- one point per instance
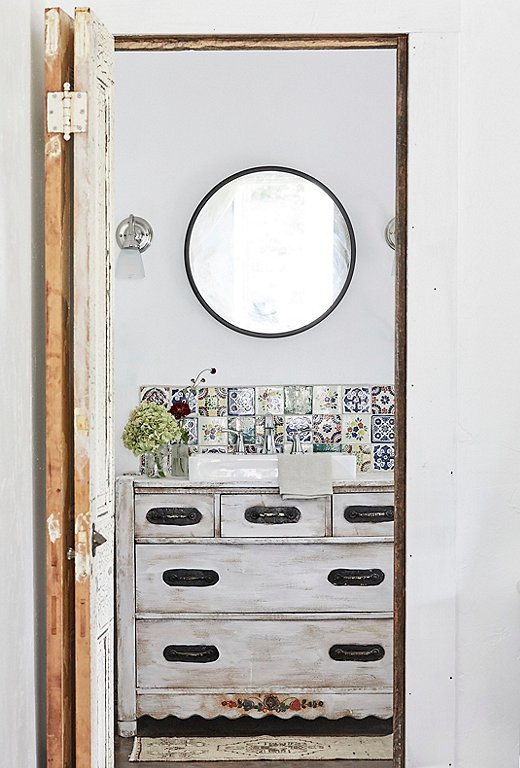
(130, 264)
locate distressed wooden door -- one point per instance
(92, 347)
(80, 475)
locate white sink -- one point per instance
(220, 468)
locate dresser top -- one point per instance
(376, 480)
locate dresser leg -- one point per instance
(127, 728)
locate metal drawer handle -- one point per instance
(190, 577)
(367, 514)
(174, 516)
(356, 577)
(191, 654)
(272, 515)
(357, 652)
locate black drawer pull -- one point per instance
(174, 516)
(357, 652)
(356, 577)
(272, 515)
(190, 577)
(362, 514)
(191, 654)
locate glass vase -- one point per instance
(155, 463)
(178, 454)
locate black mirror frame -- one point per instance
(201, 205)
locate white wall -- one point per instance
(478, 267)
(208, 115)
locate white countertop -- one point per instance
(365, 480)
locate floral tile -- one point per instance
(269, 400)
(326, 428)
(383, 457)
(356, 429)
(191, 424)
(241, 401)
(363, 454)
(248, 426)
(212, 401)
(356, 400)
(383, 399)
(178, 394)
(278, 431)
(298, 399)
(215, 450)
(326, 399)
(326, 448)
(210, 430)
(383, 429)
(295, 424)
(158, 395)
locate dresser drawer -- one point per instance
(174, 515)
(268, 515)
(260, 656)
(363, 514)
(271, 578)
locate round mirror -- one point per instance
(270, 251)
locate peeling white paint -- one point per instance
(53, 528)
(53, 147)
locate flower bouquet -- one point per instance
(148, 432)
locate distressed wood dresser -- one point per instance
(232, 601)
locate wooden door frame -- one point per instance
(398, 42)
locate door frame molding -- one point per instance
(399, 42)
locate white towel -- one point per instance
(304, 475)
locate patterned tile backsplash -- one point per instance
(356, 418)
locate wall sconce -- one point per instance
(390, 233)
(134, 236)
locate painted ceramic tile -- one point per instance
(363, 454)
(298, 399)
(269, 400)
(220, 449)
(383, 457)
(193, 449)
(306, 447)
(210, 430)
(326, 399)
(295, 424)
(212, 401)
(383, 399)
(179, 394)
(247, 423)
(191, 423)
(326, 428)
(356, 429)
(252, 449)
(241, 401)
(356, 400)
(158, 395)
(383, 429)
(326, 448)
(278, 431)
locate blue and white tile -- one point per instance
(383, 429)
(191, 424)
(326, 399)
(216, 449)
(211, 431)
(356, 428)
(298, 399)
(326, 428)
(157, 395)
(241, 401)
(306, 447)
(383, 457)
(356, 400)
(269, 400)
(296, 424)
(363, 454)
(179, 395)
(383, 399)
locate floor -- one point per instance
(197, 726)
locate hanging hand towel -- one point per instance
(304, 475)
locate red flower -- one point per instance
(179, 409)
(295, 705)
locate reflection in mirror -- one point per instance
(270, 251)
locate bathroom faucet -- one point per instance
(296, 439)
(269, 445)
(239, 446)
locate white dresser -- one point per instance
(232, 601)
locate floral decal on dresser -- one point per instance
(358, 419)
(271, 703)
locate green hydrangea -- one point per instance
(149, 427)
